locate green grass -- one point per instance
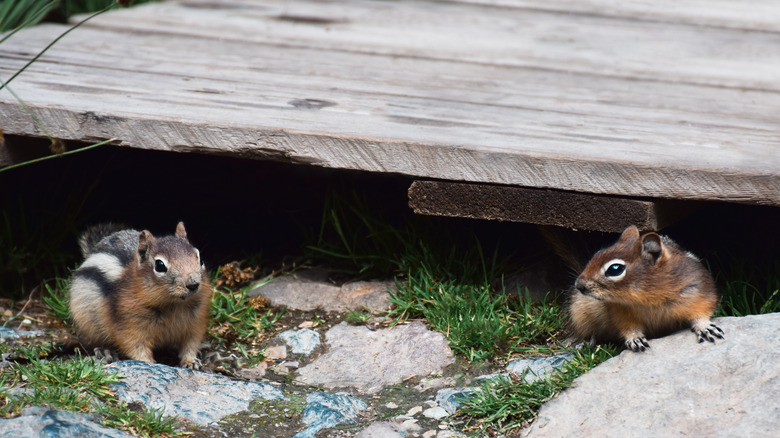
(57, 299)
(79, 385)
(478, 321)
(238, 322)
(507, 404)
(73, 385)
(21, 13)
(17, 14)
(357, 317)
(748, 289)
(355, 238)
(138, 422)
(441, 277)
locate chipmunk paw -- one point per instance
(106, 355)
(708, 331)
(638, 343)
(192, 364)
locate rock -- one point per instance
(384, 429)
(9, 333)
(409, 426)
(414, 411)
(678, 387)
(538, 367)
(303, 341)
(367, 360)
(435, 413)
(275, 352)
(434, 383)
(450, 434)
(254, 373)
(450, 398)
(324, 411)
(43, 422)
(311, 290)
(199, 397)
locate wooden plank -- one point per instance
(594, 41)
(586, 102)
(542, 207)
(752, 15)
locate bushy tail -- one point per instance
(94, 234)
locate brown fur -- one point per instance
(150, 310)
(662, 289)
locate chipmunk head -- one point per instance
(623, 270)
(171, 262)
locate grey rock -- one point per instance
(311, 290)
(324, 411)
(303, 341)
(678, 387)
(199, 397)
(43, 422)
(436, 413)
(538, 367)
(450, 399)
(450, 434)
(367, 360)
(383, 429)
(9, 333)
(486, 377)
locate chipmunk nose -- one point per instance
(192, 287)
(580, 286)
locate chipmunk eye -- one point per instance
(159, 266)
(615, 270)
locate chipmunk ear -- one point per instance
(180, 231)
(652, 248)
(630, 233)
(145, 240)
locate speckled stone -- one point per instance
(199, 397)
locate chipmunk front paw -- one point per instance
(192, 364)
(707, 331)
(638, 343)
(106, 355)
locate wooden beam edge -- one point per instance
(543, 206)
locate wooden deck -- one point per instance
(669, 99)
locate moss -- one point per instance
(266, 418)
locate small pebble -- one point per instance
(429, 434)
(306, 324)
(435, 413)
(391, 405)
(276, 352)
(414, 411)
(410, 426)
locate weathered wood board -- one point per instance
(677, 100)
(543, 206)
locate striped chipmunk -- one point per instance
(643, 286)
(138, 293)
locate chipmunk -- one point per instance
(139, 293)
(642, 286)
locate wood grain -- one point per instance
(596, 97)
(542, 206)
